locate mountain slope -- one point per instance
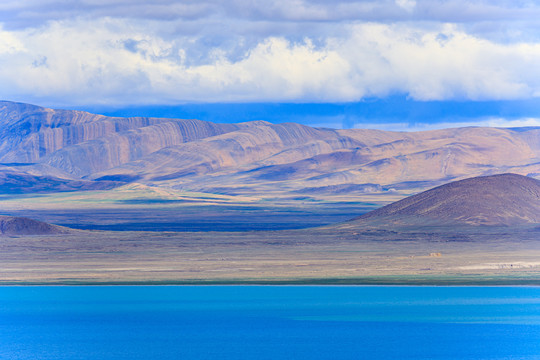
(281, 159)
(506, 199)
(232, 152)
(81, 143)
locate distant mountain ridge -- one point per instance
(72, 150)
(505, 199)
(63, 138)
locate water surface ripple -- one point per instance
(269, 322)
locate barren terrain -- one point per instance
(150, 200)
(423, 256)
(383, 246)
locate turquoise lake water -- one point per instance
(269, 322)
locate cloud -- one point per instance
(440, 64)
(488, 122)
(408, 5)
(123, 52)
(35, 13)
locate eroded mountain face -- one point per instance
(77, 150)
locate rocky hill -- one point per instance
(10, 225)
(506, 199)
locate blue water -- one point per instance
(269, 322)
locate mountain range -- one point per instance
(46, 150)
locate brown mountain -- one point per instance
(71, 150)
(10, 225)
(293, 157)
(506, 199)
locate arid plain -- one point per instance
(147, 200)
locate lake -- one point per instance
(269, 322)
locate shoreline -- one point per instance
(357, 281)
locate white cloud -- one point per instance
(119, 61)
(408, 5)
(9, 43)
(490, 122)
(439, 64)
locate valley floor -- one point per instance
(474, 255)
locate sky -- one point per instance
(390, 64)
